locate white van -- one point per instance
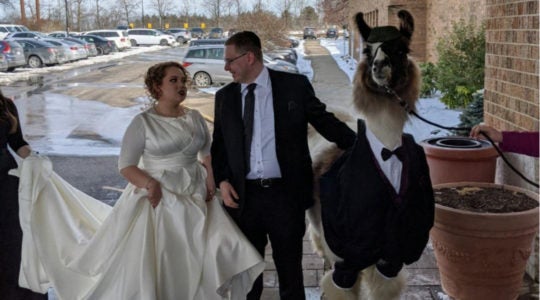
(119, 37)
(143, 36)
(6, 29)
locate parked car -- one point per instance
(89, 48)
(14, 54)
(206, 64)
(119, 37)
(143, 36)
(5, 29)
(286, 54)
(26, 34)
(310, 33)
(331, 33)
(103, 45)
(293, 42)
(216, 33)
(201, 42)
(3, 63)
(197, 32)
(279, 65)
(71, 52)
(62, 34)
(182, 35)
(39, 53)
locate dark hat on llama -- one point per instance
(383, 34)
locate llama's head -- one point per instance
(386, 50)
(386, 65)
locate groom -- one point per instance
(261, 159)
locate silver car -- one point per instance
(3, 63)
(71, 51)
(39, 53)
(207, 66)
(14, 53)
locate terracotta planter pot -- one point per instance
(483, 255)
(457, 159)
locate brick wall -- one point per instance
(433, 20)
(512, 84)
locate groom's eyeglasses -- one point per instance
(230, 60)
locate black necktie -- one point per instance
(249, 107)
(399, 152)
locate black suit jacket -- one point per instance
(295, 105)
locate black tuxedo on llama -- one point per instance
(365, 221)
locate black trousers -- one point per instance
(271, 214)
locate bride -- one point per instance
(167, 237)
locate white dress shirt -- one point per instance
(391, 167)
(263, 158)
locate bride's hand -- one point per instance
(154, 192)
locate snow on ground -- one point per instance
(25, 73)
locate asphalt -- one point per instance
(98, 177)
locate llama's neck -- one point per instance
(386, 127)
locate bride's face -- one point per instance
(174, 85)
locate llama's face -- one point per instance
(387, 62)
(386, 50)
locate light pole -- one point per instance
(142, 9)
(67, 18)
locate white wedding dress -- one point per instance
(184, 249)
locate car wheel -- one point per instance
(35, 62)
(202, 79)
(99, 51)
(180, 40)
(133, 43)
(163, 42)
(11, 69)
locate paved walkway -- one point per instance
(332, 86)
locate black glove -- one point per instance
(344, 277)
(388, 269)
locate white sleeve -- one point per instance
(205, 149)
(132, 144)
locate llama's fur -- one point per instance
(386, 119)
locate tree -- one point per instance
(335, 11)
(214, 8)
(309, 16)
(161, 7)
(128, 7)
(460, 69)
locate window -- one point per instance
(197, 53)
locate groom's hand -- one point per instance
(228, 194)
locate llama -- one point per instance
(371, 217)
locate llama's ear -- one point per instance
(363, 27)
(406, 26)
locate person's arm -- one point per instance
(219, 158)
(131, 151)
(206, 158)
(520, 142)
(210, 183)
(326, 123)
(509, 141)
